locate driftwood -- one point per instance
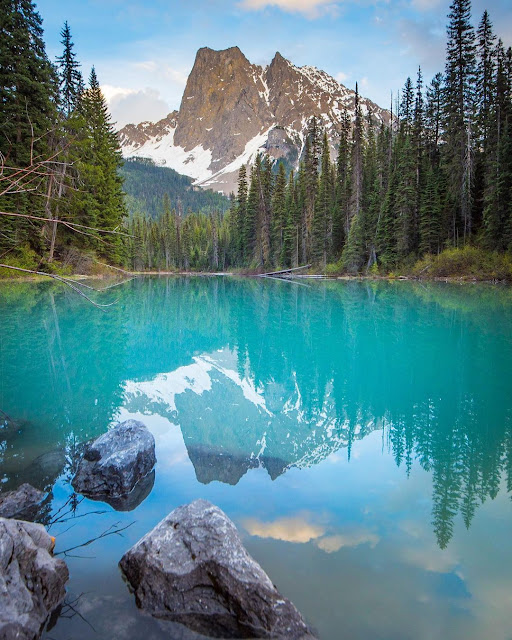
(65, 281)
(283, 272)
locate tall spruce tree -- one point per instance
(279, 218)
(101, 203)
(241, 216)
(70, 78)
(28, 97)
(459, 116)
(342, 187)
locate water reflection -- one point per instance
(268, 374)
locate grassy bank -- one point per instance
(466, 264)
(469, 263)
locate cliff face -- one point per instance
(232, 109)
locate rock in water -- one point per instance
(22, 503)
(31, 579)
(192, 568)
(116, 461)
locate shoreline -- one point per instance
(310, 276)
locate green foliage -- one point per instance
(23, 257)
(469, 262)
(438, 176)
(28, 96)
(147, 184)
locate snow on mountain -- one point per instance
(232, 110)
(230, 425)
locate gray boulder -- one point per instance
(23, 503)
(193, 569)
(116, 461)
(31, 579)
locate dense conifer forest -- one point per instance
(438, 178)
(61, 193)
(147, 186)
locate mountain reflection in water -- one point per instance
(268, 374)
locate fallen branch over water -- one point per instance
(283, 271)
(70, 283)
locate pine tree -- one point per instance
(356, 163)
(407, 107)
(321, 245)
(101, 203)
(70, 78)
(266, 184)
(251, 217)
(290, 251)
(485, 77)
(279, 218)
(28, 96)
(459, 109)
(434, 116)
(498, 169)
(405, 198)
(342, 194)
(430, 214)
(241, 216)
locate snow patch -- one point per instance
(163, 151)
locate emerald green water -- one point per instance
(359, 435)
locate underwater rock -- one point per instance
(22, 503)
(192, 568)
(31, 580)
(116, 462)
(130, 501)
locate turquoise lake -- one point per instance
(359, 434)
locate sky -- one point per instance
(143, 50)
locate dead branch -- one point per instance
(128, 273)
(67, 223)
(60, 279)
(113, 530)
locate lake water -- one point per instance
(359, 434)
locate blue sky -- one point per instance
(144, 50)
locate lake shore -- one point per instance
(468, 279)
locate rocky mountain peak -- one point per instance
(232, 109)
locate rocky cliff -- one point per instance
(232, 109)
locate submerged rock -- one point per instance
(130, 501)
(22, 503)
(193, 569)
(116, 462)
(31, 580)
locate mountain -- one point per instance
(232, 109)
(146, 184)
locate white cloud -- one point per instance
(295, 529)
(131, 106)
(342, 77)
(311, 8)
(330, 544)
(176, 76)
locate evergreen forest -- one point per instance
(437, 178)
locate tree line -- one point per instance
(59, 183)
(375, 198)
(439, 176)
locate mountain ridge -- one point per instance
(232, 109)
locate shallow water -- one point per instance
(359, 434)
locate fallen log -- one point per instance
(283, 271)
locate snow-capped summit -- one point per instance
(232, 109)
